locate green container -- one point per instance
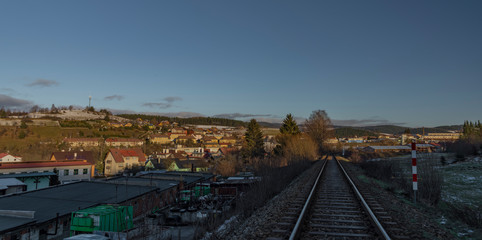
(106, 218)
(202, 190)
(185, 195)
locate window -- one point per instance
(76, 171)
(66, 172)
(85, 171)
(108, 161)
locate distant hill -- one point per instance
(269, 125)
(345, 132)
(451, 128)
(191, 120)
(392, 129)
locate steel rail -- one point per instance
(374, 219)
(296, 229)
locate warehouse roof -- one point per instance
(162, 184)
(64, 199)
(186, 179)
(7, 223)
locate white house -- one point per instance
(68, 171)
(5, 157)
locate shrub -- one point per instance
(398, 173)
(22, 134)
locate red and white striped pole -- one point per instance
(414, 171)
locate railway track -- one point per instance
(329, 208)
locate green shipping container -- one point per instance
(102, 218)
(201, 190)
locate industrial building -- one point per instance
(46, 213)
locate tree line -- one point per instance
(183, 121)
(472, 129)
(293, 144)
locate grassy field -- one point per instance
(270, 131)
(38, 142)
(460, 207)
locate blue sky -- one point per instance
(412, 63)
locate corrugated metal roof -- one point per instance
(162, 184)
(7, 223)
(11, 182)
(64, 199)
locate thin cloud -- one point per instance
(172, 99)
(43, 83)
(160, 105)
(7, 101)
(114, 97)
(168, 101)
(9, 91)
(241, 115)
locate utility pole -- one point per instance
(414, 170)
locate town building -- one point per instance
(229, 141)
(73, 155)
(83, 142)
(11, 185)
(32, 181)
(185, 139)
(442, 137)
(46, 213)
(117, 160)
(124, 142)
(5, 157)
(68, 171)
(160, 139)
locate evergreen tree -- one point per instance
(254, 145)
(289, 126)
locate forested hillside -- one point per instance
(194, 120)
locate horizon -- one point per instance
(371, 63)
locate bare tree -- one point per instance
(319, 128)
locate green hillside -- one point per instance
(390, 129)
(344, 132)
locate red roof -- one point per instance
(120, 154)
(3, 155)
(81, 155)
(42, 164)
